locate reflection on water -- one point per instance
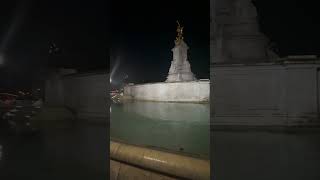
(266, 155)
(180, 127)
(189, 112)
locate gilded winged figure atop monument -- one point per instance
(180, 33)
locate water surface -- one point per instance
(177, 127)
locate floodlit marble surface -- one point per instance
(192, 91)
(180, 69)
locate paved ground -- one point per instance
(77, 151)
(253, 155)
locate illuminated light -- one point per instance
(154, 159)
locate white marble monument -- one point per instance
(235, 33)
(180, 69)
(181, 84)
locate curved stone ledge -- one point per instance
(122, 171)
(162, 162)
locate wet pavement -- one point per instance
(78, 151)
(262, 155)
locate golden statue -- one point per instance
(180, 33)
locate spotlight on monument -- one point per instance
(110, 80)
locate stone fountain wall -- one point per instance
(273, 94)
(86, 95)
(191, 91)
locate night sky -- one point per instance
(141, 36)
(293, 25)
(79, 29)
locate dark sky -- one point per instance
(293, 25)
(143, 34)
(78, 28)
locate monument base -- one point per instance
(178, 77)
(192, 91)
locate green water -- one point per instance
(177, 127)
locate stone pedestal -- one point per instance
(180, 69)
(192, 91)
